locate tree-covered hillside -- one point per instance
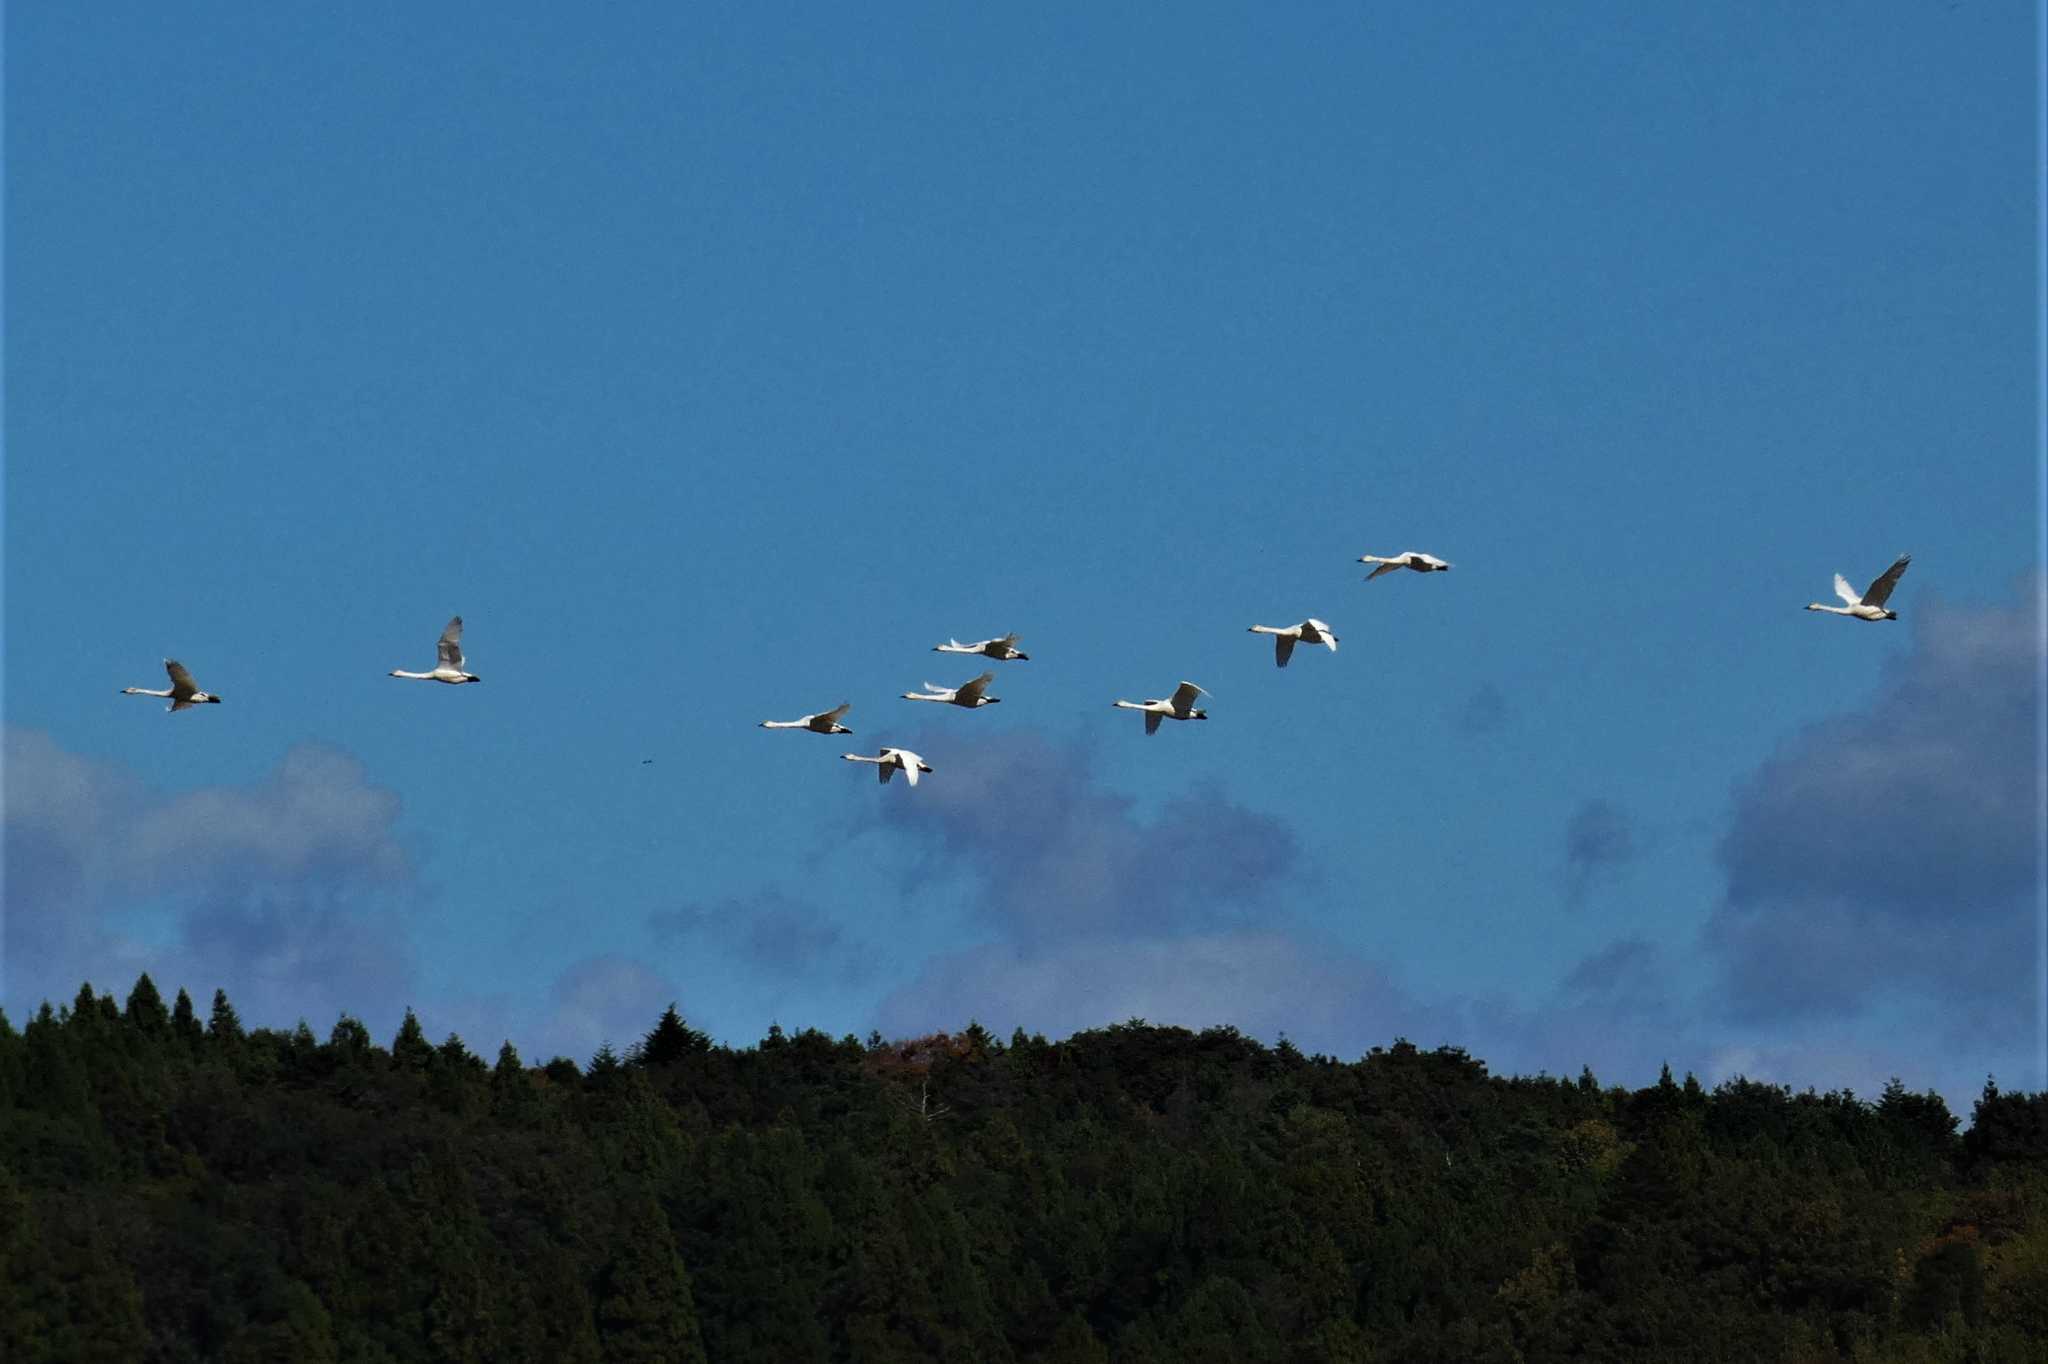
(175, 1187)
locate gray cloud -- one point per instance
(289, 893)
(1099, 914)
(1598, 838)
(1891, 851)
(1052, 854)
(600, 999)
(769, 930)
(1619, 1010)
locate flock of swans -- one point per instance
(450, 666)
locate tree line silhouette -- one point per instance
(181, 1190)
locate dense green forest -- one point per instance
(179, 1188)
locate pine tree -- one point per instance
(184, 1023)
(670, 1041)
(224, 1026)
(146, 1013)
(410, 1049)
(455, 1057)
(350, 1040)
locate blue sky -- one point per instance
(715, 366)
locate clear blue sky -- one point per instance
(714, 366)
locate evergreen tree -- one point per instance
(145, 1012)
(224, 1025)
(410, 1049)
(184, 1023)
(455, 1057)
(349, 1041)
(670, 1041)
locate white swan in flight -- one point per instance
(824, 722)
(1179, 706)
(1871, 605)
(1004, 648)
(1407, 558)
(969, 694)
(1310, 631)
(183, 692)
(450, 667)
(889, 760)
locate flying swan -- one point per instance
(183, 692)
(1179, 706)
(969, 694)
(1310, 631)
(450, 667)
(1407, 558)
(824, 722)
(889, 760)
(1004, 648)
(1871, 605)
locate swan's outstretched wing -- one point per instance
(1283, 649)
(1183, 699)
(970, 692)
(451, 645)
(831, 717)
(885, 771)
(1328, 636)
(910, 765)
(1846, 592)
(182, 684)
(1008, 641)
(1880, 591)
(1382, 568)
(1152, 719)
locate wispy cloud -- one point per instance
(770, 931)
(1599, 839)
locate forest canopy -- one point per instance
(176, 1186)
